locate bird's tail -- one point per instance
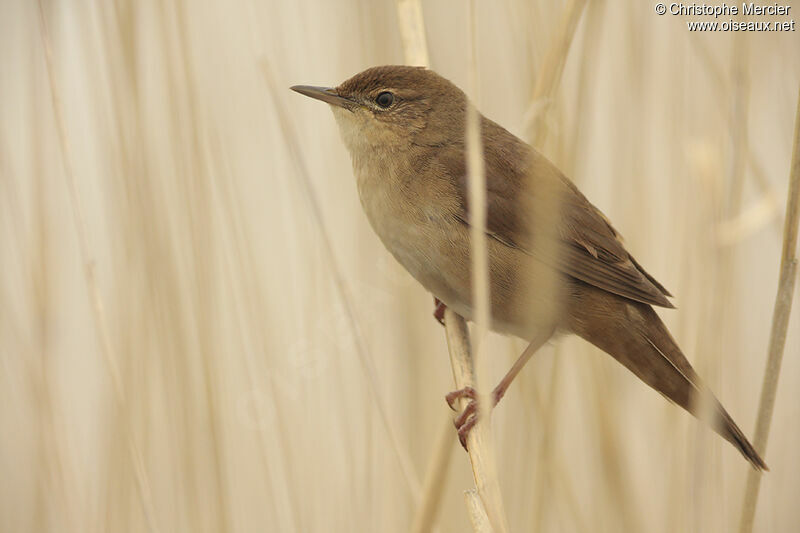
(644, 345)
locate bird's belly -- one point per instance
(428, 246)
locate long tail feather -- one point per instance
(643, 344)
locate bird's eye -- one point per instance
(384, 99)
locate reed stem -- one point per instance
(780, 325)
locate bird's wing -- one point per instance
(587, 247)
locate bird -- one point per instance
(556, 264)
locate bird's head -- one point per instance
(394, 107)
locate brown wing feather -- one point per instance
(589, 247)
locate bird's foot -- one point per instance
(467, 419)
(438, 312)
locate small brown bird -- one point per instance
(556, 265)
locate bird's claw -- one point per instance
(467, 418)
(466, 392)
(465, 428)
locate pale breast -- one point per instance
(421, 234)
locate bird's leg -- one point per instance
(469, 416)
(438, 312)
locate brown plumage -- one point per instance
(556, 263)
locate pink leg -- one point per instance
(469, 416)
(438, 312)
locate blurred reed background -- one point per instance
(218, 385)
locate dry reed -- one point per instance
(780, 325)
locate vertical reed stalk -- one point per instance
(780, 325)
(464, 375)
(481, 450)
(550, 72)
(412, 32)
(477, 514)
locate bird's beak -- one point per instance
(326, 94)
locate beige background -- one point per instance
(240, 386)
